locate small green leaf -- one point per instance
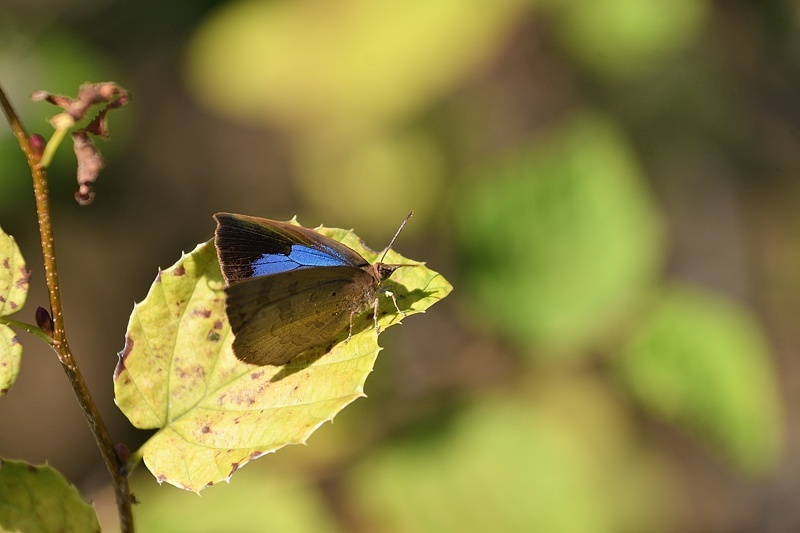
(214, 413)
(38, 499)
(703, 362)
(13, 290)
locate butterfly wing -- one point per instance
(276, 317)
(250, 247)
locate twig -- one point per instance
(33, 330)
(115, 467)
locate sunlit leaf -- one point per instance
(38, 498)
(215, 413)
(702, 362)
(560, 239)
(13, 291)
(561, 460)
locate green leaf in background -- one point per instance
(37, 499)
(702, 361)
(258, 501)
(560, 239)
(623, 37)
(215, 413)
(14, 277)
(561, 460)
(341, 66)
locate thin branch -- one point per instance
(33, 330)
(115, 467)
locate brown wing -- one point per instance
(244, 243)
(275, 318)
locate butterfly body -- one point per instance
(289, 288)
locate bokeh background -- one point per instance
(610, 185)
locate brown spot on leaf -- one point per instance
(218, 324)
(179, 271)
(7, 263)
(24, 278)
(234, 467)
(205, 313)
(256, 375)
(122, 356)
(205, 429)
(213, 336)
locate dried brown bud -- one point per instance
(37, 144)
(44, 320)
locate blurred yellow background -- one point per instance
(610, 185)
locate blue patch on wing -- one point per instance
(301, 256)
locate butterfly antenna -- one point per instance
(403, 225)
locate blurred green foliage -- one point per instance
(567, 160)
(518, 464)
(560, 239)
(701, 361)
(620, 38)
(253, 503)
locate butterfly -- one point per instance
(289, 288)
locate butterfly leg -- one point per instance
(375, 315)
(390, 294)
(350, 334)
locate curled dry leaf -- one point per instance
(90, 162)
(89, 94)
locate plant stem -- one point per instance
(115, 467)
(33, 330)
